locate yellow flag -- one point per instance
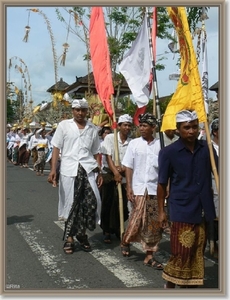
(188, 94)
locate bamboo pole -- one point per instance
(214, 170)
(216, 177)
(117, 163)
(156, 103)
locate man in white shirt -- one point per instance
(110, 216)
(141, 162)
(169, 136)
(79, 198)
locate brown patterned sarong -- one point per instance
(143, 226)
(186, 264)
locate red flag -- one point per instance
(154, 32)
(100, 58)
(139, 111)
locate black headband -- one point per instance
(147, 118)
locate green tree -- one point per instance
(12, 113)
(122, 26)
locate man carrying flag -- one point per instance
(187, 164)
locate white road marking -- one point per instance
(123, 271)
(53, 264)
(45, 171)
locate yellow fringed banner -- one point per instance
(188, 94)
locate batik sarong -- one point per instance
(186, 264)
(143, 225)
(82, 215)
(40, 162)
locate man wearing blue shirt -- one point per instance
(186, 166)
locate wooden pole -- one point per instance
(214, 170)
(117, 163)
(216, 177)
(156, 102)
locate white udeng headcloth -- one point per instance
(80, 103)
(186, 116)
(125, 118)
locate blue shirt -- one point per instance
(189, 173)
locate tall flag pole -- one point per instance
(154, 43)
(154, 33)
(100, 58)
(189, 94)
(154, 78)
(204, 65)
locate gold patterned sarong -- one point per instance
(186, 264)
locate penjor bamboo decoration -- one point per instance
(63, 57)
(65, 45)
(23, 69)
(27, 29)
(52, 40)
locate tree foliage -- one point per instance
(122, 26)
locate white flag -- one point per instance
(136, 67)
(205, 73)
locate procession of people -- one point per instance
(80, 156)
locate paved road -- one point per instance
(35, 259)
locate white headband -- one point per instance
(125, 118)
(186, 116)
(80, 103)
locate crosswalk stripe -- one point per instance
(53, 264)
(120, 269)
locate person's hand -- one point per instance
(162, 219)
(52, 177)
(130, 194)
(118, 177)
(99, 180)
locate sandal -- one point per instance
(107, 239)
(84, 243)
(68, 248)
(153, 264)
(125, 249)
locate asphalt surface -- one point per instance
(34, 258)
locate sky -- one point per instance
(37, 53)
